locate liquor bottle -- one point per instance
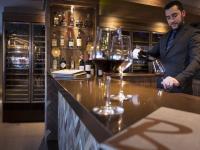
(72, 64)
(70, 40)
(79, 39)
(71, 19)
(88, 69)
(63, 64)
(60, 18)
(81, 65)
(55, 19)
(88, 21)
(62, 40)
(79, 22)
(64, 19)
(92, 71)
(99, 72)
(54, 41)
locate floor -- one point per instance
(20, 136)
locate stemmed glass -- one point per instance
(108, 109)
(103, 60)
(121, 51)
(158, 67)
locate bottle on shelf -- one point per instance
(92, 71)
(87, 65)
(60, 18)
(55, 19)
(79, 39)
(71, 19)
(70, 40)
(88, 21)
(63, 63)
(88, 69)
(64, 19)
(62, 40)
(99, 72)
(81, 64)
(54, 41)
(79, 22)
(72, 65)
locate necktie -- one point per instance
(171, 39)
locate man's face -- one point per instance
(174, 17)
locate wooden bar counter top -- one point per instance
(82, 95)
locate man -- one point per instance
(178, 50)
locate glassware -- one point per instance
(108, 109)
(158, 67)
(108, 63)
(121, 51)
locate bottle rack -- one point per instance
(38, 61)
(17, 62)
(83, 26)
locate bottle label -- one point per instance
(63, 65)
(54, 42)
(72, 64)
(88, 75)
(100, 73)
(81, 68)
(92, 71)
(71, 44)
(79, 42)
(62, 42)
(87, 67)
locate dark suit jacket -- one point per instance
(182, 59)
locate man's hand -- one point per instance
(169, 82)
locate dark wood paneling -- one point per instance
(23, 14)
(139, 15)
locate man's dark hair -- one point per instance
(174, 3)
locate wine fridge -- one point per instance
(23, 66)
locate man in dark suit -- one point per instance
(178, 50)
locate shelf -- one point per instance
(38, 36)
(17, 80)
(38, 41)
(17, 68)
(18, 35)
(71, 27)
(16, 90)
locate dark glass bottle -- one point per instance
(79, 22)
(71, 19)
(81, 65)
(79, 40)
(70, 40)
(88, 21)
(88, 68)
(63, 63)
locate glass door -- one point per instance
(38, 62)
(17, 62)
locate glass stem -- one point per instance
(121, 82)
(108, 79)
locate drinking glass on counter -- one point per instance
(108, 109)
(108, 64)
(121, 52)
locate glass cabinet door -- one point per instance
(38, 62)
(17, 60)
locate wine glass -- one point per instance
(108, 109)
(102, 60)
(121, 52)
(158, 67)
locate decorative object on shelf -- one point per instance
(55, 53)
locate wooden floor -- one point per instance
(20, 136)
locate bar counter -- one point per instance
(69, 116)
